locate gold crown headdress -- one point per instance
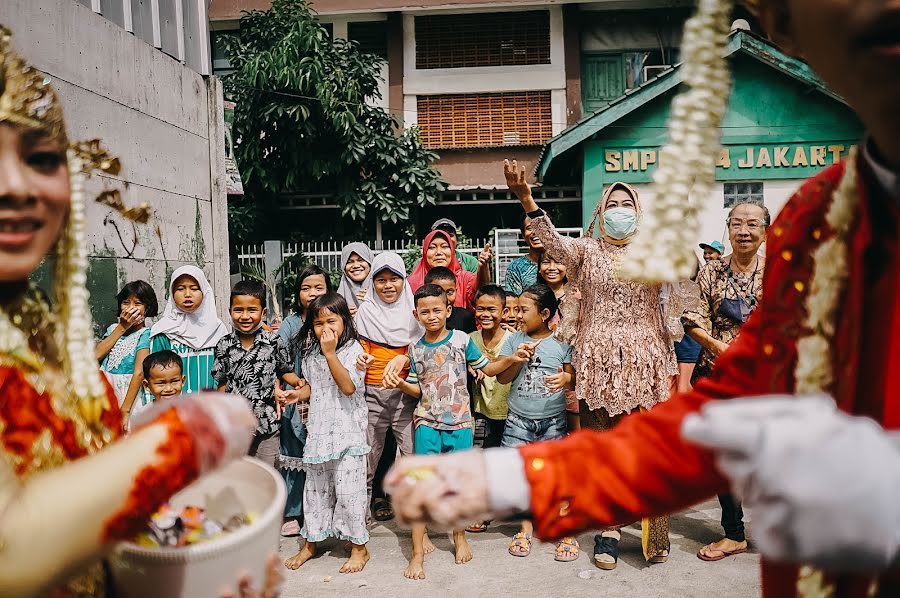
(28, 100)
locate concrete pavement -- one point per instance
(493, 572)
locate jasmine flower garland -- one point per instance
(661, 251)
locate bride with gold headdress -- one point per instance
(69, 486)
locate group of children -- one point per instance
(352, 367)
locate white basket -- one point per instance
(204, 570)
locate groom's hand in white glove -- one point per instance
(824, 487)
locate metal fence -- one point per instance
(507, 243)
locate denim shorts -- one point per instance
(429, 441)
(521, 430)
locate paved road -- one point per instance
(495, 573)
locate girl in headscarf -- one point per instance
(387, 327)
(439, 250)
(356, 274)
(190, 327)
(623, 356)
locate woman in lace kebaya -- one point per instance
(623, 357)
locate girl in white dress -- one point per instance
(335, 497)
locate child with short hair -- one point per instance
(250, 361)
(459, 318)
(437, 377)
(537, 399)
(190, 327)
(490, 396)
(163, 375)
(511, 319)
(334, 498)
(127, 343)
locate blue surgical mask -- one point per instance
(619, 223)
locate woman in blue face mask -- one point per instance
(622, 353)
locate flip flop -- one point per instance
(477, 528)
(382, 510)
(724, 554)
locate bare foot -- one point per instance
(359, 556)
(416, 569)
(463, 550)
(307, 552)
(426, 543)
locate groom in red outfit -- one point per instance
(644, 467)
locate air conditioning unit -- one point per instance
(652, 72)
(511, 138)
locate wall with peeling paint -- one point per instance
(165, 123)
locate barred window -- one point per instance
(371, 37)
(485, 120)
(744, 192)
(483, 39)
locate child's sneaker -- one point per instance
(290, 529)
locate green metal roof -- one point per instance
(740, 41)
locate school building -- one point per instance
(578, 90)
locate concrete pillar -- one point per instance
(273, 257)
(572, 61)
(218, 196)
(395, 66)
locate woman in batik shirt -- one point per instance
(730, 289)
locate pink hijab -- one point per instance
(465, 281)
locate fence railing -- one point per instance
(508, 245)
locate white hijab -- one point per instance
(348, 288)
(200, 329)
(390, 324)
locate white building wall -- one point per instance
(491, 79)
(162, 119)
(713, 214)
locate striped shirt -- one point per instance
(197, 364)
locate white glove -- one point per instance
(824, 487)
(221, 425)
(445, 491)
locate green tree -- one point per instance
(302, 122)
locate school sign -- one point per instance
(738, 162)
(782, 124)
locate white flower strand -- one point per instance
(661, 251)
(75, 316)
(829, 277)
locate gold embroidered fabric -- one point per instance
(621, 353)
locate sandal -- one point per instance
(382, 510)
(521, 544)
(478, 528)
(603, 549)
(722, 554)
(567, 550)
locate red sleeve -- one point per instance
(642, 468)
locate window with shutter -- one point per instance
(485, 120)
(483, 39)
